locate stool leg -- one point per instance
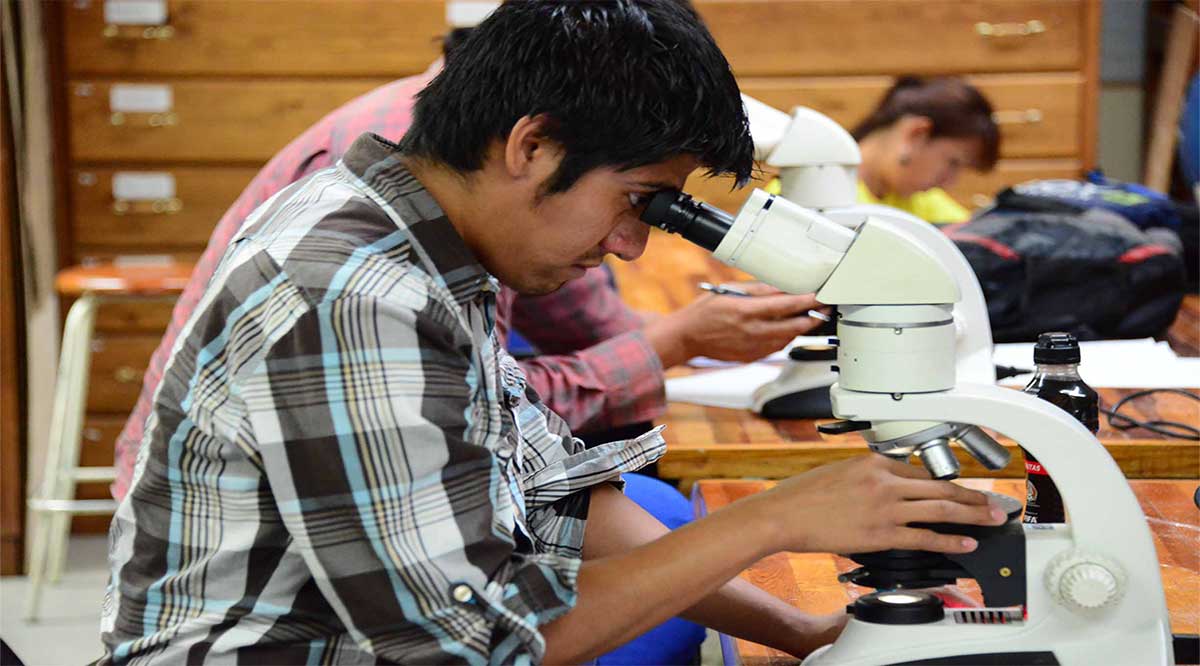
(77, 382)
(40, 522)
(62, 454)
(40, 533)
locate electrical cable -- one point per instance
(1166, 428)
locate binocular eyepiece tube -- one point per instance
(676, 212)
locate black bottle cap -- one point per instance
(898, 607)
(1056, 348)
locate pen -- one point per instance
(726, 290)
(722, 289)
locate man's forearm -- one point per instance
(616, 524)
(623, 594)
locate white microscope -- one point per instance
(1084, 593)
(817, 161)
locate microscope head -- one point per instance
(895, 298)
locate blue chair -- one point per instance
(675, 641)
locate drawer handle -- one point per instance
(169, 119)
(1031, 27)
(91, 434)
(149, 207)
(1026, 117)
(159, 32)
(126, 375)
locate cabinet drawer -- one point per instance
(100, 222)
(148, 316)
(789, 37)
(309, 37)
(99, 435)
(975, 190)
(210, 120)
(1038, 114)
(118, 363)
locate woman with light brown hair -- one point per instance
(918, 139)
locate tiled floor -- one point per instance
(69, 629)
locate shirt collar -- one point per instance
(376, 162)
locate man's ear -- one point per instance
(529, 152)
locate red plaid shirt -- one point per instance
(598, 370)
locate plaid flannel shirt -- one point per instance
(597, 369)
(342, 464)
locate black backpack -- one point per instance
(1092, 273)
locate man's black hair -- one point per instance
(454, 39)
(624, 83)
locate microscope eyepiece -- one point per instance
(676, 212)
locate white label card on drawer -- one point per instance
(468, 13)
(143, 185)
(140, 98)
(135, 12)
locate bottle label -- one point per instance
(1035, 467)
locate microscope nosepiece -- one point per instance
(938, 459)
(986, 450)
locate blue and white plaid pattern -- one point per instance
(342, 466)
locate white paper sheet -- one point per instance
(729, 387)
(1140, 363)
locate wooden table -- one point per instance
(714, 442)
(809, 581)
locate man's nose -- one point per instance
(627, 240)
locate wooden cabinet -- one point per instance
(836, 37)
(202, 94)
(388, 38)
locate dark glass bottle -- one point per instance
(1057, 381)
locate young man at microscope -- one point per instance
(600, 365)
(343, 467)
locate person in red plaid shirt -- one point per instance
(601, 364)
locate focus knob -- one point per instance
(1085, 582)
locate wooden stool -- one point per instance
(54, 504)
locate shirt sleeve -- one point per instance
(581, 313)
(360, 412)
(596, 369)
(617, 382)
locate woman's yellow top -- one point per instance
(932, 205)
